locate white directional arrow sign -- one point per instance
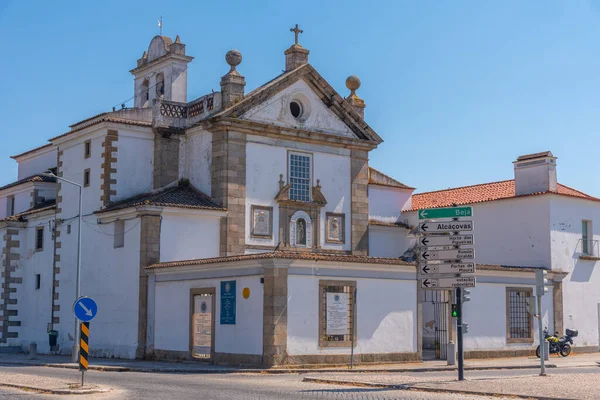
(454, 254)
(449, 240)
(448, 268)
(447, 283)
(446, 227)
(88, 312)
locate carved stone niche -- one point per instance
(299, 221)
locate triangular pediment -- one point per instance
(313, 114)
(323, 110)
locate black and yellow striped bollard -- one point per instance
(83, 348)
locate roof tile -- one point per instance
(32, 178)
(183, 195)
(482, 193)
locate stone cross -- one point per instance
(296, 32)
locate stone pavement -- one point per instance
(527, 384)
(105, 364)
(43, 384)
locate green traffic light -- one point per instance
(454, 311)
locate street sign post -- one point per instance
(446, 240)
(447, 268)
(446, 227)
(448, 283)
(85, 309)
(454, 254)
(452, 212)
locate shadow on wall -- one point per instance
(582, 272)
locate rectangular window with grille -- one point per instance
(39, 238)
(300, 176)
(337, 318)
(519, 323)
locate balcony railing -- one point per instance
(588, 248)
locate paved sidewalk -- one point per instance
(105, 364)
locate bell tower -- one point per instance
(161, 73)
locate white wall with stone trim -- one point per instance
(135, 163)
(195, 159)
(581, 294)
(386, 316)
(34, 305)
(170, 321)
(185, 237)
(39, 161)
(22, 195)
(267, 158)
(486, 315)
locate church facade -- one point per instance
(239, 227)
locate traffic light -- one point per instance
(531, 305)
(465, 328)
(466, 295)
(541, 282)
(454, 310)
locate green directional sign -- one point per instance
(453, 212)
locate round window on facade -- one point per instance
(296, 109)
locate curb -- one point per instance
(55, 391)
(116, 368)
(425, 389)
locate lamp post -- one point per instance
(75, 348)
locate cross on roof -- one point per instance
(296, 32)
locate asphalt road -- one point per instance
(133, 385)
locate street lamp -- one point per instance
(75, 349)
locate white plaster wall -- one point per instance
(266, 159)
(486, 316)
(186, 237)
(195, 160)
(276, 110)
(387, 241)
(510, 232)
(37, 163)
(172, 316)
(109, 275)
(22, 196)
(386, 203)
(34, 305)
(135, 158)
(581, 296)
(385, 315)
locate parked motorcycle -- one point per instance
(558, 345)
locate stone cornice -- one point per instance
(278, 132)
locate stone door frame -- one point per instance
(197, 292)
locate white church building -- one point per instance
(248, 228)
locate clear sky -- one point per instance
(457, 89)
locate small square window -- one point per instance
(87, 145)
(38, 281)
(86, 178)
(39, 238)
(119, 234)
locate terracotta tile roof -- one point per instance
(32, 151)
(379, 178)
(32, 178)
(286, 255)
(20, 217)
(482, 193)
(183, 196)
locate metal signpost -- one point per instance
(441, 255)
(85, 309)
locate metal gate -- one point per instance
(440, 299)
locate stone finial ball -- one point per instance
(233, 58)
(353, 82)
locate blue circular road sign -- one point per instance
(85, 309)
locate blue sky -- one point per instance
(457, 89)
